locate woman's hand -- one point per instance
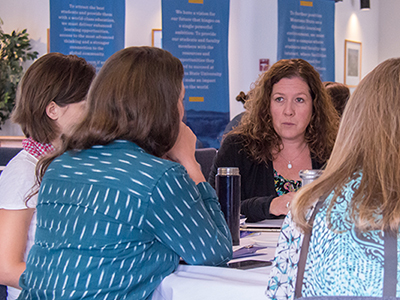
(280, 205)
(183, 153)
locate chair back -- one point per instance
(205, 157)
(7, 153)
(3, 292)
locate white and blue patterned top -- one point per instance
(113, 221)
(341, 261)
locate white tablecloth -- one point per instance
(201, 282)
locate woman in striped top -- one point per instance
(125, 198)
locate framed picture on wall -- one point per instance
(352, 63)
(156, 38)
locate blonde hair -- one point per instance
(368, 141)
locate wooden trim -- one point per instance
(11, 141)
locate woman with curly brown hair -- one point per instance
(290, 124)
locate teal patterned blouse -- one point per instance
(113, 221)
(349, 263)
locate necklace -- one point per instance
(290, 161)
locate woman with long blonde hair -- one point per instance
(359, 196)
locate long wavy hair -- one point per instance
(256, 128)
(134, 97)
(368, 141)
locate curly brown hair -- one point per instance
(256, 128)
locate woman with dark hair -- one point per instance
(353, 231)
(50, 100)
(289, 125)
(124, 198)
(242, 97)
(339, 94)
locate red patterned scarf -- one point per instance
(35, 148)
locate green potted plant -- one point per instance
(15, 48)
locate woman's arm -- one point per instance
(183, 153)
(269, 207)
(184, 212)
(262, 202)
(188, 219)
(14, 227)
(257, 208)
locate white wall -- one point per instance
(141, 17)
(252, 33)
(389, 26)
(362, 26)
(253, 26)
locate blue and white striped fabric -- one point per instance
(113, 222)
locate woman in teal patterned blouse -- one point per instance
(347, 250)
(124, 199)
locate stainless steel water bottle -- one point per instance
(227, 186)
(308, 176)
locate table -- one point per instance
(202, 282)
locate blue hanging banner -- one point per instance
(92, 29)
(196, 32)
(306, 29)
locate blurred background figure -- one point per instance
(356, 226)
(242, 97)
(124, 199)
(339, 94)
(289, 125)
(51, 98)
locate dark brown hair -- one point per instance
(64, 79)
(256, 128)
(242, 97)
(368, 141)
(134, 97)
(339, 94)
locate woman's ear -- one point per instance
(52, 110)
